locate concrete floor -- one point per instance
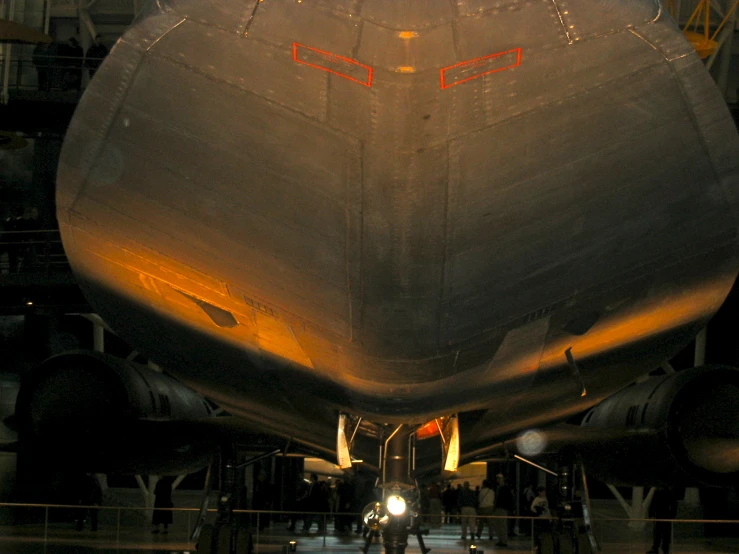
(63, 539)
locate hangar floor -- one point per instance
(616, 537)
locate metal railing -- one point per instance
(57, 74)
(126, 528)
(32, 251)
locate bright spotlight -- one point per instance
(396, 505)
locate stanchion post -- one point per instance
(257, 546)
(324, 529)
(46, 524)
(533, 538)
(118, 526)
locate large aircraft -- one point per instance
(357, 223)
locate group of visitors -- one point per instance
(490, 505)
(341, 500)
(59, 65)
(316, 499)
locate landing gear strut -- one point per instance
(572, 532)
(393, 517)
(227, 535)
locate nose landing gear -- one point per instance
(393, 518)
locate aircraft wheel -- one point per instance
(205, 541)
(224, 540)
(244, 543)
(546, 540)
(583, 543)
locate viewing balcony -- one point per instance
(35, 274)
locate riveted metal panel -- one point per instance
(283, 22)
(407, 52)
(408, 15)
(502, 31)
(251, 65)
(585, 18)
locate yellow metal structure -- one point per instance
(704, 44)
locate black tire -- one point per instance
(224, 540)
(244, 543)
(205, 541)
(546, 540)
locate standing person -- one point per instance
(457, 492)
(663, 506)
(529, 494)
(503, 507)
(95, 54)
(435, 505)
(70, 55)
(345, 495)
(485, 507)
(423, 505)
(313, 502)
(467, 509)
(324, 504)
(11, 238)
(449, 500)
(28, 227)
(91, 497)
(43, 58)
(301, 497)
(262, 499)
(540, 508)
(162, 500)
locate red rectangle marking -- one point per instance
(472, 69)
(333, 63)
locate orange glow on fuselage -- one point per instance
(641, 323)
(170, 287)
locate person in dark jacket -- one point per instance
(299, 503)
(91, 496)
(504, 506)
(162, 499)
(44, 57)
(467, 502)
(262, 499)
(435, 504)
(663, 506)
(314, 502)
(70, 59)
(94, 55)
(345, 495)
(449, 499)
(11, 240)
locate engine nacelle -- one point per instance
(96, 412)
(679, 428)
